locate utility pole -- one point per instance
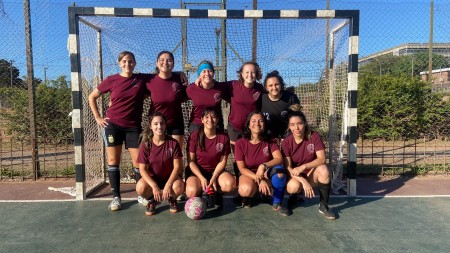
(31, 91)
(11, 71)
(430, 46)
(45, 75)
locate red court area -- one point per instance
(63, 189)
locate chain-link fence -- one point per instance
(402, 112)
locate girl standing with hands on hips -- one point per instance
(123, 118)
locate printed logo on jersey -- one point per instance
(217, 97)
(175, 87)
(284, 114)
(266, 151)
(256, 95)
(310, 148)
(266, 115)
(219, 147)
(169, 153)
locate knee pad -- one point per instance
(278, 184)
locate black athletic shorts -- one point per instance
(175, 130)
(115, 135)
(233, 133)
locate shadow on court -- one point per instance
(363, 225)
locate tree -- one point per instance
(399, 107)
(53, 104)
(9, 75)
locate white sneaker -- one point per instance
(115, 204)
(142, 201)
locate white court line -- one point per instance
(226, 197)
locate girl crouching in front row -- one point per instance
(160, 162)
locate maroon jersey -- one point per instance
(254, 155)
(304, 152)
(166, 97)
(243, 101)
(215, 148)
(127, 96)
(202, 98)
(160, 158)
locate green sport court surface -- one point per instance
(369, 224)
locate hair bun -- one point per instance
(295, 108)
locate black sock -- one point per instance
(114, 179)
(137, 174)
(324, 192)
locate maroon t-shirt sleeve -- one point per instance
(176, 150)
(318, 143)
(192, 142)
(239, 149)
(285, 146)
(104, 86)
(144, 155)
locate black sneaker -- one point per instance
(151, 207)
(210, 199)
(218, 201)
(292, 201)
(281, 210)
(246, 202)
(327, 212)
(173, 205)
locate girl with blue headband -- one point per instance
(209, 93)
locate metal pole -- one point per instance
(223, 28)
(430, 46)
(31, 91)
(45, 75)
(254, 33)
(184, 59)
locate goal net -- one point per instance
(310, 49)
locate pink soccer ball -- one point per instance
(195, 208)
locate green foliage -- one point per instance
(52, 103)
(9, 75)
(399, 107)
(408, 65)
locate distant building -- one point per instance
(439, 78)
(408, 49)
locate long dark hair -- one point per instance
(159, 55)
(295, 111)
(147, 134)
(248, 133)
(201, 132)
(258, 71)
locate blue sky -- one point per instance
(384, 24)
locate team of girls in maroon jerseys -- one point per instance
(263, 169)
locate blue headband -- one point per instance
(203, 66)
